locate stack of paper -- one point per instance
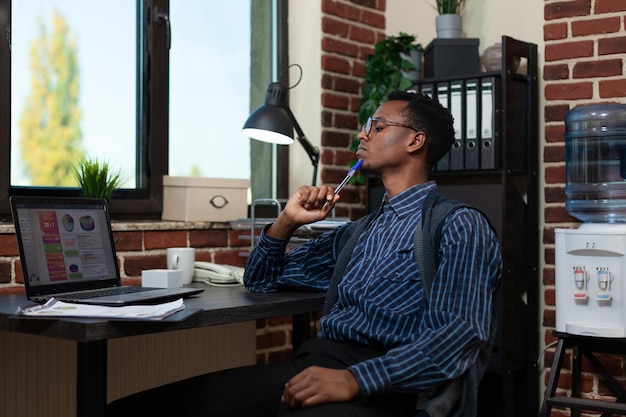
(56, 308)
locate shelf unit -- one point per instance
(493, 165)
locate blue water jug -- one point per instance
(595, 163)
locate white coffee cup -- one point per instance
(182, 259)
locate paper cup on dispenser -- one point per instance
(182, 259)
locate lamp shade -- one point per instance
(271, 122)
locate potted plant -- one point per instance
(96, 178)
(396, 59)
(448, 22)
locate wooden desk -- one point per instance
(214, 306)
(584, 346)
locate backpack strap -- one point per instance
(426, 241)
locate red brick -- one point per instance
(336, 139)
(229, 257)
(362, 35)
(128, 241)
(555, 174)
(347, 121)
(549, 297)
(568, 50)
(595, 26)
(335, 64)
(554, 31)
(555, 194)
(338, 46)
(563, 9)
(555, 113)
(556, 132)
(548, 235)
(239, 238)
(548, 276)
(347, 85)
(569, 91)
(554, 153)
(341, 9)
(373, 19)
(609, 6)
(612, 45)
(334, 101)
(558, 215)
(8, 245)
(208, 238)
(548, 254)
(19, 272)
(549, 320)
(335, 27)
(133, 265)
(556, 72)
(11, 290)
(343, 158)
(612, 88)
(599, 68)
(5, 272)
(165, 239)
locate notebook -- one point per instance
(67, 252)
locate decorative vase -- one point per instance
(416, 58)
(492, 58)
(448, 26)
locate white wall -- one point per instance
(305, 40)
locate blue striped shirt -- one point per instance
(381, 299)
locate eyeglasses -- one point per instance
(367, 127)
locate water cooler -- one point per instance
(590, 262)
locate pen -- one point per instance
(343, 183)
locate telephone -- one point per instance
(219, 275)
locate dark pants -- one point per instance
(256, 390)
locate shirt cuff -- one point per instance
(371, 377)
(270, 246)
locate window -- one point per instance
(147, 109)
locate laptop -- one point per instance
(68, 253)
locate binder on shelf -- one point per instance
(472, 154)
(487, 127)
(442, 96)
(455, 107)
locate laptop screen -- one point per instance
(65, 244)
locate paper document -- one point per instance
(56, 308)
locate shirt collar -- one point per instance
(403, 204)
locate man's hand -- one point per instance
(317, 385)
(306, 205)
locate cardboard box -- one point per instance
(451, 57)
(204, 199)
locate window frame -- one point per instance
(146, 201)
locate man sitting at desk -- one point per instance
(380, 343)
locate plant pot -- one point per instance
(448, 26)
(416, 58)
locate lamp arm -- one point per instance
(312, 151)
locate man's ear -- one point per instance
(419, 140)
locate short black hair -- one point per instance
(428, 115)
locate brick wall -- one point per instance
(585, 56)
(349, 31)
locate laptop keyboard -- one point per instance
(108, 292)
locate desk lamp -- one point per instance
(274, 122)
